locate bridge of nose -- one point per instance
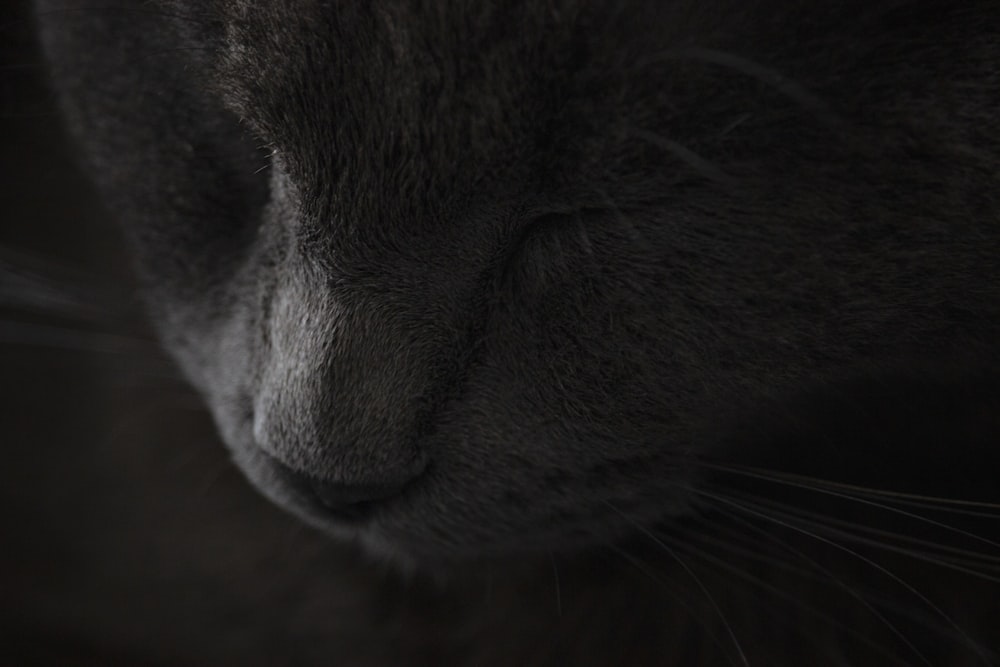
(347, 384)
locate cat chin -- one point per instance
(413, 534)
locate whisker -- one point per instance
(968, 554)
(701, 165)
(776, 80)
(645, 531)
(957, 632)
(674, 592)
(823, 522)
(32, 283)
(742, 506)
(756, 554)
(784, 595)
(29, 66)
(211, 481)
(584, 237)
(555, 575)
(489, 581)
(883, 506)
(806, 482)
(850, 590)
(198, 19)
(46, 335)
(621, 218)
(150, 55)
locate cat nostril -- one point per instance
(349, 501)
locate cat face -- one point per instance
(463, 280)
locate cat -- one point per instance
(689, 308)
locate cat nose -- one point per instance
(351, 502)
(340, 500)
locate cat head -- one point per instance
(459, 280)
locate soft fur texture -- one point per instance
(606, 284)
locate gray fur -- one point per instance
(536, 263)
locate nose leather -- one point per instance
(349, 501)
(342, 501)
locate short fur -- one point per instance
(568, 273)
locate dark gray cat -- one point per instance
(695, 303)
